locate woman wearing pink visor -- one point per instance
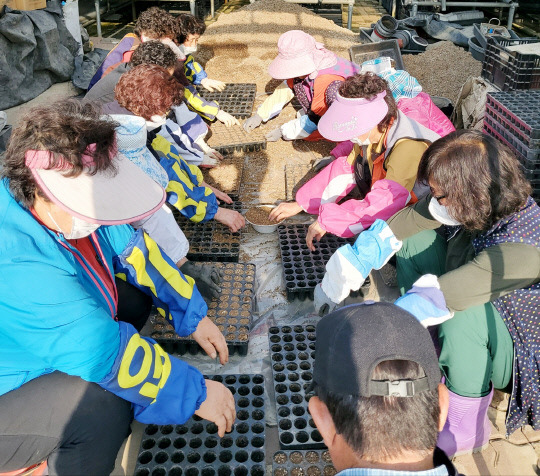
(74, 371)
(381, 169)
(312, 74)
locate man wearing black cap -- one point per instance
(379, 404)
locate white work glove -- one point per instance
(252, 122)
(208, 162)
(227, 119)
(323, 304)
(274, 135)
(213, 153)
(212, 84)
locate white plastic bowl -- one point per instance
(264, 228)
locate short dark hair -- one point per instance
(368, 85)
(480, 178)
(153, 52)
(66, 129)
(381, 428)
(189, 25)
(156, 23)
(148, 89)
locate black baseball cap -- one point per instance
(353, 340)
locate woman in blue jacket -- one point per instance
(73, 368)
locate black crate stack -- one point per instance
(513, 118)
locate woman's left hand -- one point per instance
(210, 338)
(315, 232)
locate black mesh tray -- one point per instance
(195, 449)
(232, 312)
(237, 98)
(303, 463)
(211, 241)
(304, 269)
(228, 139)
(292, 353)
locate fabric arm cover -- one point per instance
(330, 185)
(190, 122)
(342, 149)
(349, 266)
(426, 302)
(162, 388)
(195, 202)
(274, 103)
(145, 266)
(206, 109)
(298, 128)
(194, 71)
(349, 218)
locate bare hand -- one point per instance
(218, 407)
(315, 232)
(210, 338)
(285, 210)
(231, 218)
(227, 119)
(218, 193)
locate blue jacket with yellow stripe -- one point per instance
(58, 316)
(184, 191)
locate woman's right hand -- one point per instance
(285, 210)
(230, 218)
(218, 407)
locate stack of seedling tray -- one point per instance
(237, 98)
(303, 463)
(303, 268)
(296, 175)
(195, 449)
(292, 353)
(234, 138)
(232, 312)
(211, 240)
(509, 70)
(512, 118)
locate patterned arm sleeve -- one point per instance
(144, 265)
(207, 109)
(194, 71)
(184, 192)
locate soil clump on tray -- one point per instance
(260, 216)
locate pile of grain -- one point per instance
(240, 45)
(260, 216)
(443, 69)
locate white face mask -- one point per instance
(187, 50)
(79, 228)
(364, 142)
(440, 213)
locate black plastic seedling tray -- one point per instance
(517, 111)
(234, 138)
(303, 268)
(296, 175)
(195, 449)
(211, 241)
(303, 463)
(237, 98)
(232, 312)
(292, 353)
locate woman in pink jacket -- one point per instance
(381, 168)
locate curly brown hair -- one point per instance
(156, 23)
(66, 129)
(368, 85)
(153, 52)
(188, 25)
(480, 178)
(148, 90)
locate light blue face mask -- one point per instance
(364, 142)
